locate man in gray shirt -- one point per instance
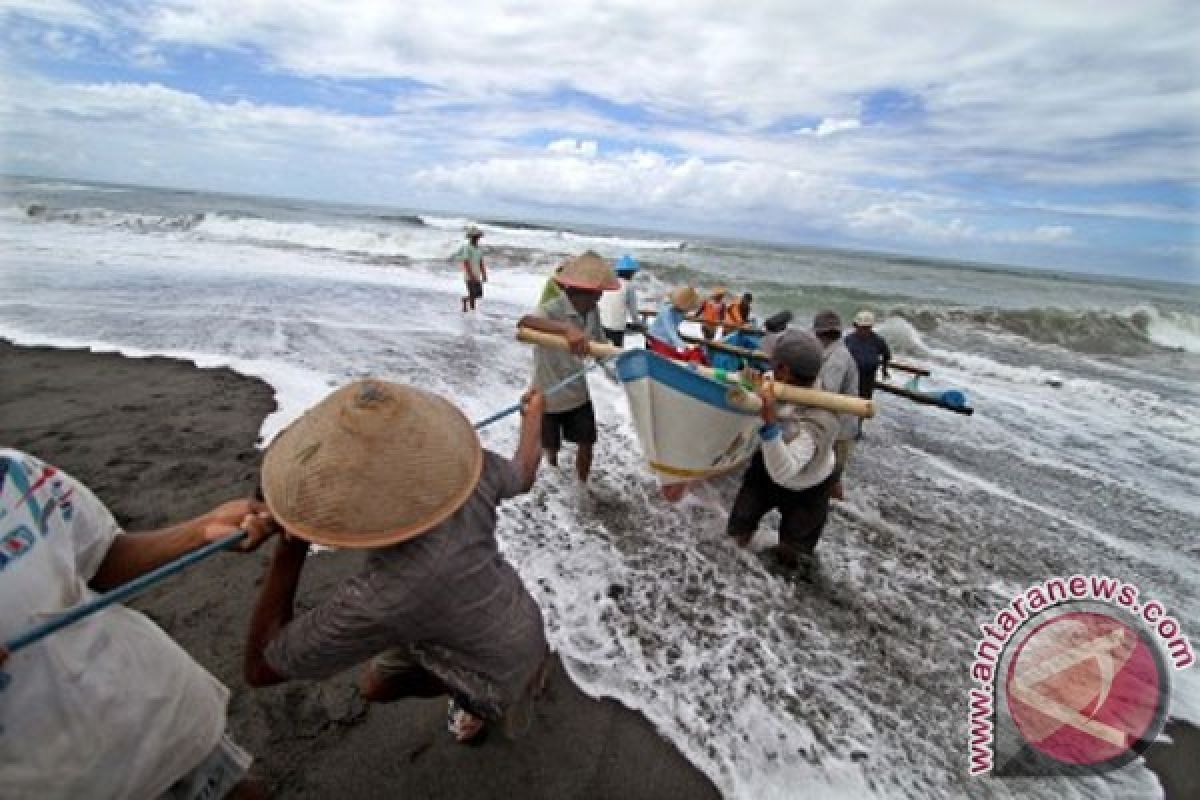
(839, 373)
(571, 314)
(400, 472)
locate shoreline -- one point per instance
(160, 439)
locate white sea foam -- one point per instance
(853, 688)
(1174, 329)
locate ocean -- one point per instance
(1083, 455)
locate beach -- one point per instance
(159, 440)
(1081, 458)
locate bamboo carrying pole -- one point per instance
(814, 398)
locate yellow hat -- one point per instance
(372, 464)
(685, 298)
(720, 291)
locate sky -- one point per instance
(1058, 134)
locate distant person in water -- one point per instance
(663, 335)
(870, 352)
(795, 470)
(738, 314)
(620, 308)
(569, 413)
(434, 609)
(839, 374)
(470, 255)
(712, 312)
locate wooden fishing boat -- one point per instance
(672, 405)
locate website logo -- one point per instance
(1072, 678)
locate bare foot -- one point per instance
(836, 492)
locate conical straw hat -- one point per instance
(685, 298)
(372, 464)
(588, 271)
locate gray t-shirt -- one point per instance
(448, 595)
(839, 373)
(551, 366)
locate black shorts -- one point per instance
(577, 425)
(616, 337)
(474, 289)
(802, 513)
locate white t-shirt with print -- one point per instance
(109, 707)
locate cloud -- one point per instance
(884, 127)
(573, 147)
(830, 126)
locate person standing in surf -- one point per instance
(870, 352)
(569, 414)
(795, 470)
(470, 255)
(839, 373)
(619, 308)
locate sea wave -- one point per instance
(1139, 331)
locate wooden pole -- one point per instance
(813, 398)
(728, 348)
(910, 368)
(922, 398)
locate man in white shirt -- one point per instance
(109, 707)
(619, 307)
(795, 470)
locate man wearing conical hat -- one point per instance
(399, 472)
(663, 336)
(470, 255)
(569, 415)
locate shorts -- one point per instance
(842, 450)
(616, 337)
(214, 777)
(474, 289)
(577, 425)
(802, 512)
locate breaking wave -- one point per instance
(1139, 332)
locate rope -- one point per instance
(144, 582)
(515, 407)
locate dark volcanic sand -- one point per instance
(159, 440)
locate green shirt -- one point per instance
(473, 258)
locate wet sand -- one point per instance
(159, 440)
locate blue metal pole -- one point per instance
(123, 592)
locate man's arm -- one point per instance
(529, 444)
(576, 338)
(134, 554)
(274, 609)
(482, 270)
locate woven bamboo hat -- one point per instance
(588, 271)
(685, 298)
(372, 464)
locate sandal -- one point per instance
(464, 726)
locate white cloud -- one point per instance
(574, 147)
(830, 126)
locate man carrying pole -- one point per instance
(109, 707)
(569, 414)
